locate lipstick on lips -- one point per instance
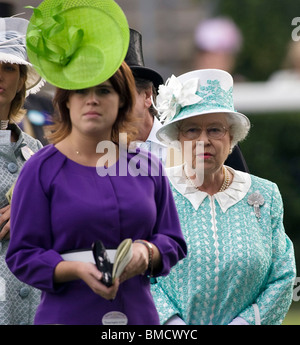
(205, 155)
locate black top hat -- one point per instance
(135, 60)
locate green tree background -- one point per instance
(266, 28)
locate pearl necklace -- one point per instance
(225, 185)
(4, 124)
(226, 181)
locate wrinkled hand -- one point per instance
(5, 222)
(138, 264)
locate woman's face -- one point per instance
(213, 131)
(10, 83)
(93, 111)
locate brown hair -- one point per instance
(123, 83)
(17, 112)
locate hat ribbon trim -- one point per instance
(13, 44)
(5, 45)
(46, 29)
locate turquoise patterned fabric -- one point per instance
(236, 261)
(214, 97)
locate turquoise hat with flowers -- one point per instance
(195, 93)
(76, 44)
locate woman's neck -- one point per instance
(3, 124)
(208, 182)
(4, 112)
(88, 150)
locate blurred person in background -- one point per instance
(39, 115)
(218, 42)
(291, 65)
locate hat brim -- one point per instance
(34, 81)
(168, 133)
(101, 52)
(148, 74)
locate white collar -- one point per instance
(233, 194)
(152, 136)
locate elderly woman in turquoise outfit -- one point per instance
(18, 301)
(240, 266)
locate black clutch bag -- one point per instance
(103, 263)
(122, 257)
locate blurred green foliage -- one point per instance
(266, 28)
(293, 316)
(272, 152)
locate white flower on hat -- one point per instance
(174, 95)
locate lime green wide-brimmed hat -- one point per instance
(76, 44)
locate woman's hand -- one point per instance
(90, 274)
(138, 264)
(72, 270)
(5, 222)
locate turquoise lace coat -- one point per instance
(238, 264)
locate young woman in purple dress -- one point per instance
(72, 193)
